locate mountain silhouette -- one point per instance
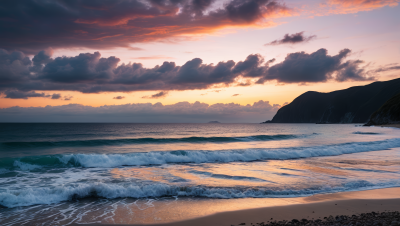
(388, 113)
(352, 105)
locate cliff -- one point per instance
(352, 105)
(389, 113)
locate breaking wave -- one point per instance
(45, 195)
(108, 142)
(180, 157)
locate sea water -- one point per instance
(59, 174)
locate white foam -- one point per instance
(158, 158)
(46, 195)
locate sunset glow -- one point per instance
(208, 51)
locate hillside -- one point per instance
(352, 105)
(389, 113)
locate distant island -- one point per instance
(213, 122)
(388, 113)
(353, 105)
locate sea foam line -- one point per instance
(46, 195)
(158, 158)
(127, 141)
(179, 157)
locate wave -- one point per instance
(107, 142)
(46, 195)
(180, 157)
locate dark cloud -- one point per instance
(68, 97)
(195, 72)
(84, 67)
(40, 59)
(183, 112)
(119, 97)
(350, 70)
(246, 11)
(157, 95)
(252, 66)
(15, 94)
(293, 39)
(33, 25)
(199, 6)
(14, 67)
(302, 67)
(56, 96)
(235, 95)
(90, 73)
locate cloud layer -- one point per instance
(90, 73)
(180, 112)
(33, 25)
(15, 94)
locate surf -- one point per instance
(184, 157)
(46, 195)
(127, 141)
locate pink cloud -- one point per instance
(146, 112)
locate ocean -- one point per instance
(60, 174)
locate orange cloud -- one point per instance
(354, 6)
(102, 24)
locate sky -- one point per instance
(186, 60)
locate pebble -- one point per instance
(373, 218)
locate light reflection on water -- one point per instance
(302, 173)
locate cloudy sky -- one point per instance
(186, 60)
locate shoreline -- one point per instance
(312, 207)
(390, 125)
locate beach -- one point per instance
(313, 207)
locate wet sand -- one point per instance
(313, 207)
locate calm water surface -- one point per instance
(58, 174)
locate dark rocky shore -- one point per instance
(388, 113)
(382, 219)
